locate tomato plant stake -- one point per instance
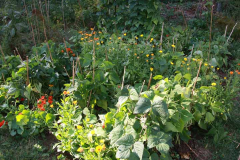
(18, 53)
(150, 33)
(123, 77)
(79, 64)
(225, 33)
(2, 53)
(161, 39)
(65, 46)
(27, 83)
(3, 78)
(150, 79)
(210, 34)
(66, 72)
(232, 31)
(191, 54)
(196, 77)
(73, 72)
(141, 88)
(49, 51)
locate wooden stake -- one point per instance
(66, 72)
(150, 79)
(150, 33)
(185, 21)
(78, 59)
(210, 35)
(14, 52)
(191, 54)
(142, 88)
(161, 39)
(123, 77)
(3, 78)
(94, 58)
(49, 51)
(64, 25)
(225, 31)
(3, 54)
(197, 77)
(18, 53)
(73, 72)
(27, 83)
(231, 32)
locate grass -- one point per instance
(17, 148)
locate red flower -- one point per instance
(68, 49)
(50, 101)
(50, 97)
(71, 51)
(2, 123)
(42, 109)
(103, 126)
(62, 51)
(42, 98)
(167, 35)
(20, 113)
(22, 99)
(231, 72)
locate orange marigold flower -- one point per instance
(73, 55)
(50, 85)
(65, 92)
(231, 72)
(91, 29)
(62, 51)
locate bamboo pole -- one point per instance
(231, 32)
(161, 39)
(210, 34)
(18, 53)
(73, 72)
(142, 88)
(124, 71)
(27, 82)
(150, 79)
(66, 72)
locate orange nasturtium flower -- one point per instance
(50, 85)
(231, 72)
(80, 149)
(91, 29)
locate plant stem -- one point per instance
(231, 32)
(3, 54)
(210, 34)
(123, 77)
(161, 39)
(150, 79)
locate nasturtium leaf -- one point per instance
(138, 149)
(163, 147)
(93, 119)
(102, 103)
(123, 152)
(143, 106)
(50, 118)
(209, 117)
(126, 140)
(115, 134)
(109, 117)
(22, 120)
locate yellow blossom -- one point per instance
(50, 85)
(110, 38)
(214, 84)
(160, 51)
(146, 60)
(173, 46)
(98, 149)
(172, 63)
(217, 68)
(125, 34)
(82, 39)
(153, 46)
(225, 77)
(98, 44)
(101, 141)
(92, 132)
(188, 68)
(79, 127)
(141, 35)
(135, 54)
(99, 32)
(119, 38)
(102, 42)
(136, 37)
(205, 64)
(51, 106)
(75, 102)
(147, 55)
(87, 119)
(80, 149)
(91, 126)
(185, 59)
(151, 69)
(194, 59)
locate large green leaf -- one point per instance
(186, 116)
(159, 108)
(115, 134)
(170, 127)
(50, 118)
(138, 149)
(163, 147)
(102, 103)
(133, 94)
(209, 117)
(22, 120)
(126, 140)
(123, 152)
(143, 106)
(154, 139)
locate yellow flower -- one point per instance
(188, 68)
(79, 127)
(90, 35)
(82, 39)
(75, 102)
(214, 84)
(98, 44)
(183, 62)
(110, 38)
(212, 67)
(147, 55)
(51, 106)
(151, 69)
(92, 132)
(119, 37)
(173, 46)
(172, 63)
(137, 57)
(152, 54)
(99, 32)
(91, 126)
(141, 35)
(92, 29)
(205, 64)
(136, 37)
(225, 77)
(80, 149)
(103, 147)
(146, 60)
(160, 51)
(153, 46)
(98, 149)
(135, 54)
(125, 34)
(194, 59)
(185, 59)
(217, 68)
(102, 141)
(88, 119)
